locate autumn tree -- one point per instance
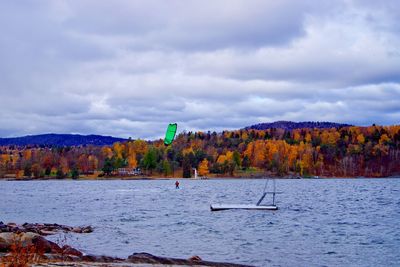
(203, 167)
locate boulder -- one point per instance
(195, 258)
(151, 259)
(45, 246)
(142, 258)
(6, 240)
(77, 230)
(87, 229)
(42, 229)
(67, 250)
(94, 258)
(26, 238)
(46, 232)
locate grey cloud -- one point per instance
(128, 68)
(192, 24)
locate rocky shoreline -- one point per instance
(25, 245)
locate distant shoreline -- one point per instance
(190, 179)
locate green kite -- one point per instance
(170, 134)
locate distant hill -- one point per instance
(290, 125)
(60, 140)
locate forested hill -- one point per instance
(372, 151)
(290, 125)
(60, 140)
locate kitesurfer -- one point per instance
(177, 184)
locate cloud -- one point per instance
(128, 68)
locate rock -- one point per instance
(195, 258)
(3, 227)
(46, 232)
(26, 238)
(87, 229)
(76, 230)
(6, 240)
(94, 258)
(42, 229)
(21, 239)
(148, 258)
(67, 250)
(141, 258)
(84, 229)
(45, 245)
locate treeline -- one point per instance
(342, 152)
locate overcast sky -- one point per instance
(128, 68)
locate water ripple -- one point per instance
(336, 222)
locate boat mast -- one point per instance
(273, 192)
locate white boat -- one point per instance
(258, 206)
(217, 207)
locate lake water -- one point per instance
(333, 222)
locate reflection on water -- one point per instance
(332, 222)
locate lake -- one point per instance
(321, 222)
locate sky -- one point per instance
(128, 68)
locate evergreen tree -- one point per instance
(27, 170)
(60, 174)
(74, 173)
(245, 162)
(149, 160)
(186, 167)
(108, 167)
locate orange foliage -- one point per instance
(203, 167)
(140, 147)
(21, 254)
(360, 139)
(132, 162)
(107, 151)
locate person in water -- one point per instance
(177, 185)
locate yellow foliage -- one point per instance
(107, 151)
(27, 154)
(384, 139)
(296, 135)
(360, 139)
(308, 138)
(249, 150)
(187, 151)
(306, 162)
(93, 162)
(140, 147)
(203, 167)
(245, 136)
(196, 144)
(292, 156)
(132, 162)
(259, 153)
(221, 159)
(333, 137)
(118, 149)
(5, 158)
(229, 156)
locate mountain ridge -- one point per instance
(52, 139)
(290, 125)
